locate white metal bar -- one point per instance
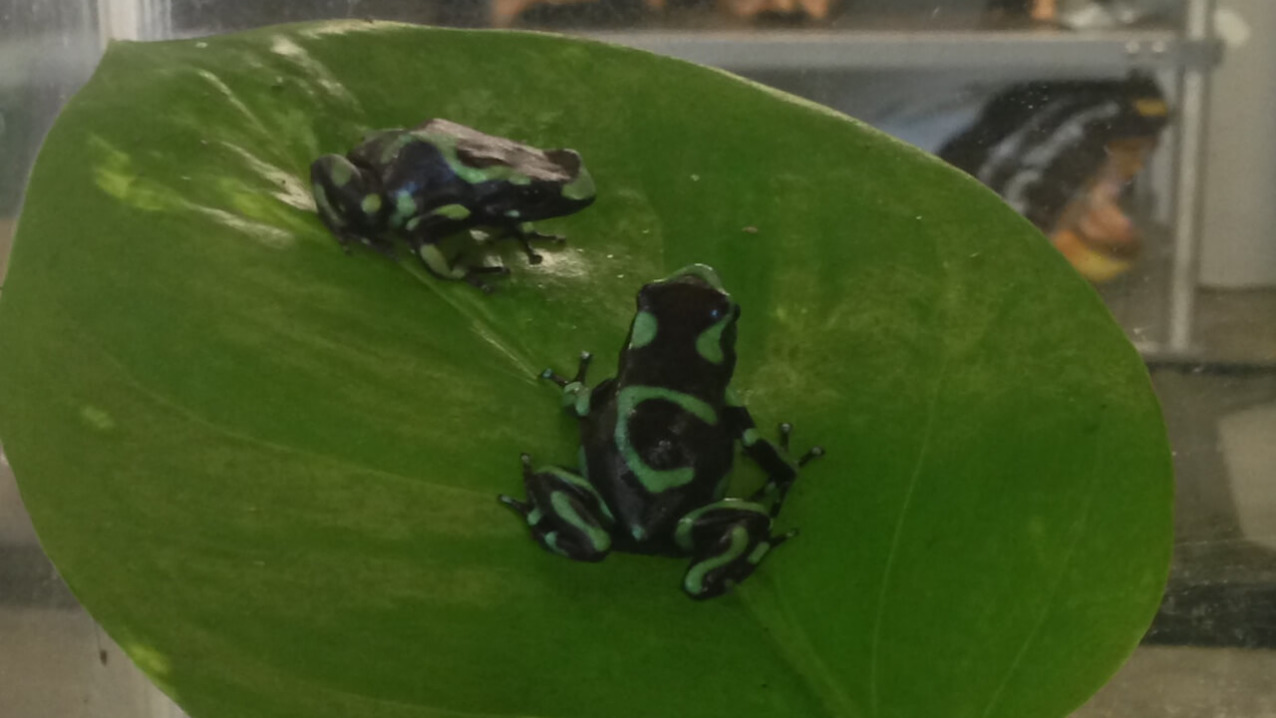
(134, 20)
(1193, 118)
(1042, 52)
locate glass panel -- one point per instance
(929, 72)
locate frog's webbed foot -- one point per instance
(727, 541)
(779, 480)
(575, 393)
(564, 513)
(582, 369)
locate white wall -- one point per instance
(1239, 223)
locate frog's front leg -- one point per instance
(348, 203)
(727, 541)
(565, 514)
(781, 473)
(576, 394)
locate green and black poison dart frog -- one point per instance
(657, 444)
(441, 178)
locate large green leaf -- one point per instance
(269, 468)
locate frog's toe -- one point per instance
(814, 452)
(520, 506)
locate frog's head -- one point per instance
(688, 319)
(567, 189)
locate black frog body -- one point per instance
(657, 445)
(442, 178)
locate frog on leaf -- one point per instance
(442, 178)
(657, 444)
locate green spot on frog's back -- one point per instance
(644, 330)
(340, 172)
(404, 205)
(452, 211)
(709, 343)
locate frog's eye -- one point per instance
(719, 311)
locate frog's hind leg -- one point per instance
(423, 233)
(347, 203)
(575, 393)
(727, 541)
(564, 513)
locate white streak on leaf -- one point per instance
(233, 99)
(264, 233)
(114, 175)
(286, 48)
(290, 190)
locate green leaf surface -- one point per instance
(269, 468)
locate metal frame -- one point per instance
(1191, 53)
(1041, 51)
(1194, 86)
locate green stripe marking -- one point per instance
(656, 480)
(391, 150)
(755, 556)
(694, 581)
(600, 539)
(580, 483)
(682, 534)
(709, 343)
(446, 145)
